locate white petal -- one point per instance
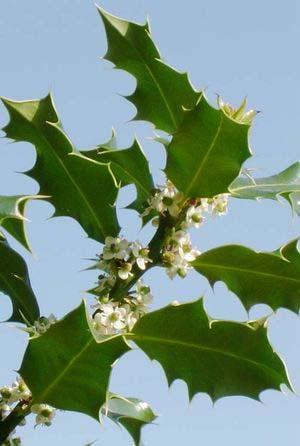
(141, 262)
(108, 255)
(119, 325)
(110, 240)
(123, 274)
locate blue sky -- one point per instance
(229, 48)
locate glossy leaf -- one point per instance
(161, 92)
(131, 413)
(129, 166)
(220, 358)
(73, 369)
(207, 151)
(268, 278)
(285, 184)
(12, 216)
(77, 186)
(15, 283)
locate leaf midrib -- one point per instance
(264, 185)
(205, 158)
(61, 375)
(156, 339)
(64, 168)
(156, 82)
(246, 270)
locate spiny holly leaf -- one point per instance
(15, 283)
(161, 91)
(285, 184)
(12, 216)
(79, 187)
(220, 358)
(256, 278)
(207, 151)
(67, 368)
(132, 413)
(129, 166)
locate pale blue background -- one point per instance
(232, 48)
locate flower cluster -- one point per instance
(9, 395)
(178, 252)
(112, 317)
(117, 260)
(189, 212)
(119, 257)
(18, 392)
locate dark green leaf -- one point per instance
(67, 368)
(161, 91)
(79, 187)
(12, 216)
(220, 358)
(285, 184)
(131, 413)
(15, 283)
(207, 151)
(269, 278)
(129, 166)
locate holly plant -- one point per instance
(205, 148)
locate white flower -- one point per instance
(219, 204)
(44, 413)
(140, 254)
(188, 253)
(124, 271)
(143, 294)
(115, 248)
(111, 316)
(180, 237)
(166, 199)
(194, 216)
(132, 319)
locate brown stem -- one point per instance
(9, 423)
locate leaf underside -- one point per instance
(285, 184)
(15, 283)
(256, 278)
(220, 358)
(73, 369)
(77, 187)
(131, 413)
(12, 216)
(161, 93)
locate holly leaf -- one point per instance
(129, 166)
(207, 151)
(286, 184)
(77, 186)
(80, 367)
(12, 216)
(220, 358)
(15, 283)
(161, 93)
(255, 277)
(131, 413)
